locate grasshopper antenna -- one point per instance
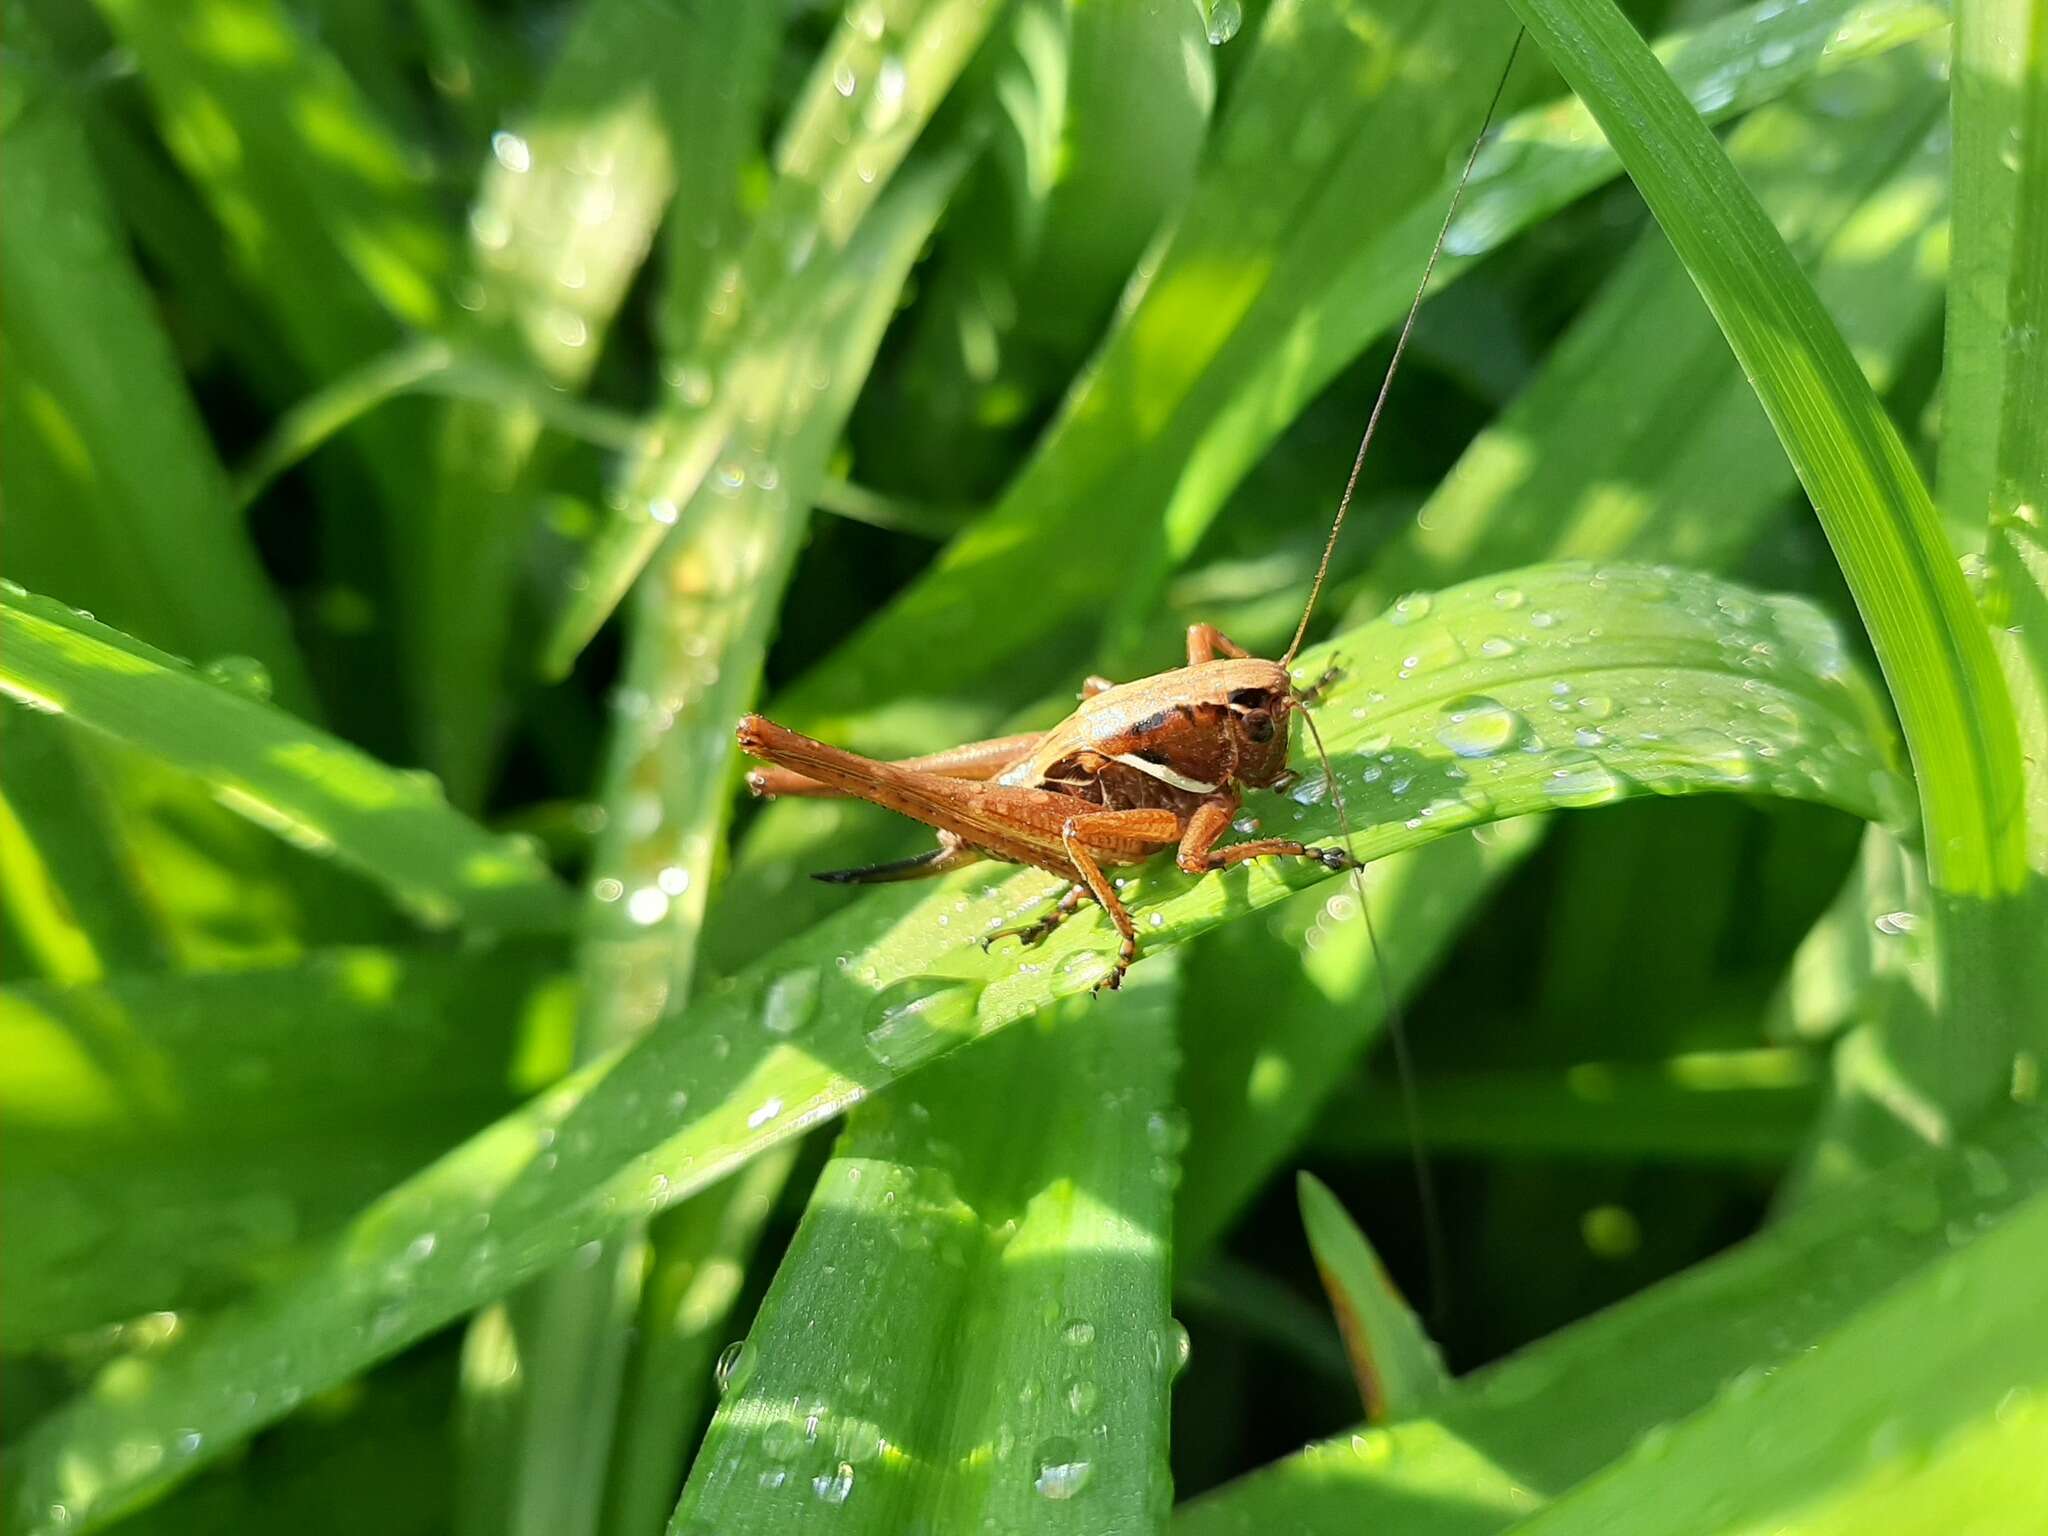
(1400, 346)
(1434, 1259)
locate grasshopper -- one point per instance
(1137, 768)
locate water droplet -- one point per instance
(1225, 17)
(1407, 610)
(1084, 967)
(1509, 598)
(735, 1364)
(1477, 726)
(1598, 705)
(242, 674)
(789, 1003)
(1497, 646)
(512, 151)
(768, 1111)
(919, 1017)
(1542, 620)
(1062, 1469)
(836, 1486)
(1894, 924)
(1082, 1396)
(1577, 778)
(1078, 1332)
(647, 906)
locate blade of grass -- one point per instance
(1686, 683)
(699, 632)
(317, 792)
(1876, 512)
(70, 894)
(1707, 1354)
(1394, 1361)
(1720, 1107)
(170, 1138)
(567, 209)
(114, 496)
(838, 149)
(1006, 1225)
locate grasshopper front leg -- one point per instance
(1199, 854)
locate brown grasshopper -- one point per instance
(1139, 767)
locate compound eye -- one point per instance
(1258, 725)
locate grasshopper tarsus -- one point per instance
(1034, 933)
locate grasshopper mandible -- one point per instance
(1138, 768)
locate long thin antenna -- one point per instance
(1434, 1258)
(1400, 346)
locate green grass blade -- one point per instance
(72, 895)
(1393, 1360)
(114, 497)
(317, 792)
(698, 1259)
(1688, 685)
(1751, 1107)
(1723, 1351)
(1013, 1232)
(1274, 278)
(838, 150)
(1872, 504)
(170, 1138)
(570, 199)
(699, 631)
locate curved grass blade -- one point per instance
(170, 1138)
(114, 496)
(1006, 1225)
(1730, 1355)
(1393, 1360)
(838, 150)
(315, 791)
(1605, 683)
(1870, 499)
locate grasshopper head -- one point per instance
(1260, 699)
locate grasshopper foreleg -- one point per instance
(1199, 854)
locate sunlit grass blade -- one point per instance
(327, 218)
(1728, 1349)
(699, 1257)
(317, 792)
(1104, 112)
(1393, 1359)
(115, 500)
(865, 102)
(170, 1138)
(1006, 1226)
(699, 630)
(570, 198)
(72, 898)
(1743, 1107)
(1276, 275)
(1689, 685)
(1879, 519)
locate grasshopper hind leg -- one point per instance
(951, 854)
(1030, 935)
